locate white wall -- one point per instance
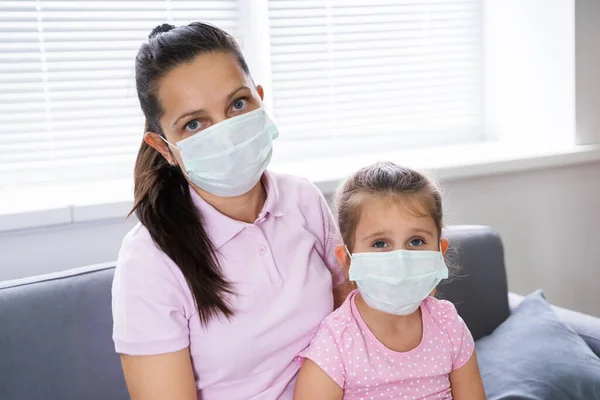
(40, 251)
(587, 64)
(550, 222)
(549, 219)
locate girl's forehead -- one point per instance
(394, 212)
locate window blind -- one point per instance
(407, 70)
(68, 104)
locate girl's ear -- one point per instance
(444, 245)
(342, 256)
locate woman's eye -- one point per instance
(380, 244)
(416, 242)
(193, 126)
(239, 104)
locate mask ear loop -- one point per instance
(348, 252)
(167, 142)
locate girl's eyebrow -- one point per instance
(420, 230)
(375, 234)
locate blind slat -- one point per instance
(68, 103)
(381, 67)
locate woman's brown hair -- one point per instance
(162, 194)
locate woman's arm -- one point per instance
(466, 381)
(160, 377)
(314, 384)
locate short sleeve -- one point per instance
(325, 352)
(149, 308)
(332, 239)
(458, 333)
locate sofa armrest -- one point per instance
(587, 326)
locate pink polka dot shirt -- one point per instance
(351, 355)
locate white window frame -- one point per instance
(516, 149)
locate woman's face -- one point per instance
(210, 89)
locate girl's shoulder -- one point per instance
(450, 324)
(442, 312)
(339, 326)
(342, 318)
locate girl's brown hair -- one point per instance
(386, 179)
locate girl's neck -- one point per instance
(384, 324)
(245, 208)
(383, 319)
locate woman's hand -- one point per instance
(466, 381)
(160, 377)
(314, 384)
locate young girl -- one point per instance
(391, 339)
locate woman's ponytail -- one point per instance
(164, 206)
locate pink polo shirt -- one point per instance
(283, 268)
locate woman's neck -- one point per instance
(245, 208)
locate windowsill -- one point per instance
(41, 206)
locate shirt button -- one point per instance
(262, 250)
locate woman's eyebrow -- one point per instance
(187, 114)
(236, 91)
(202, 111)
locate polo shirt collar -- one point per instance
(221, 228)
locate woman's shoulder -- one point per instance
(140, 255)
(143, 268)
(293, 186)
(138, 243)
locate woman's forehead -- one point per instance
(203, 83)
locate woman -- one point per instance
(232, 268)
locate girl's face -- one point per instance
(211, 88)
(388, 224)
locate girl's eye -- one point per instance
(380, 244)
(239, 104)
(193, 126)
(416, 242)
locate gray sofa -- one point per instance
(55, 330)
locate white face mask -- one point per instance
(396, 282)
(229, 158)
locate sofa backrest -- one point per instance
(56, 338)
(55, 330)
(479, 290)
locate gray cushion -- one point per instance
(478, 288)
(586, 326)
(55, 338)
(534, 356)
